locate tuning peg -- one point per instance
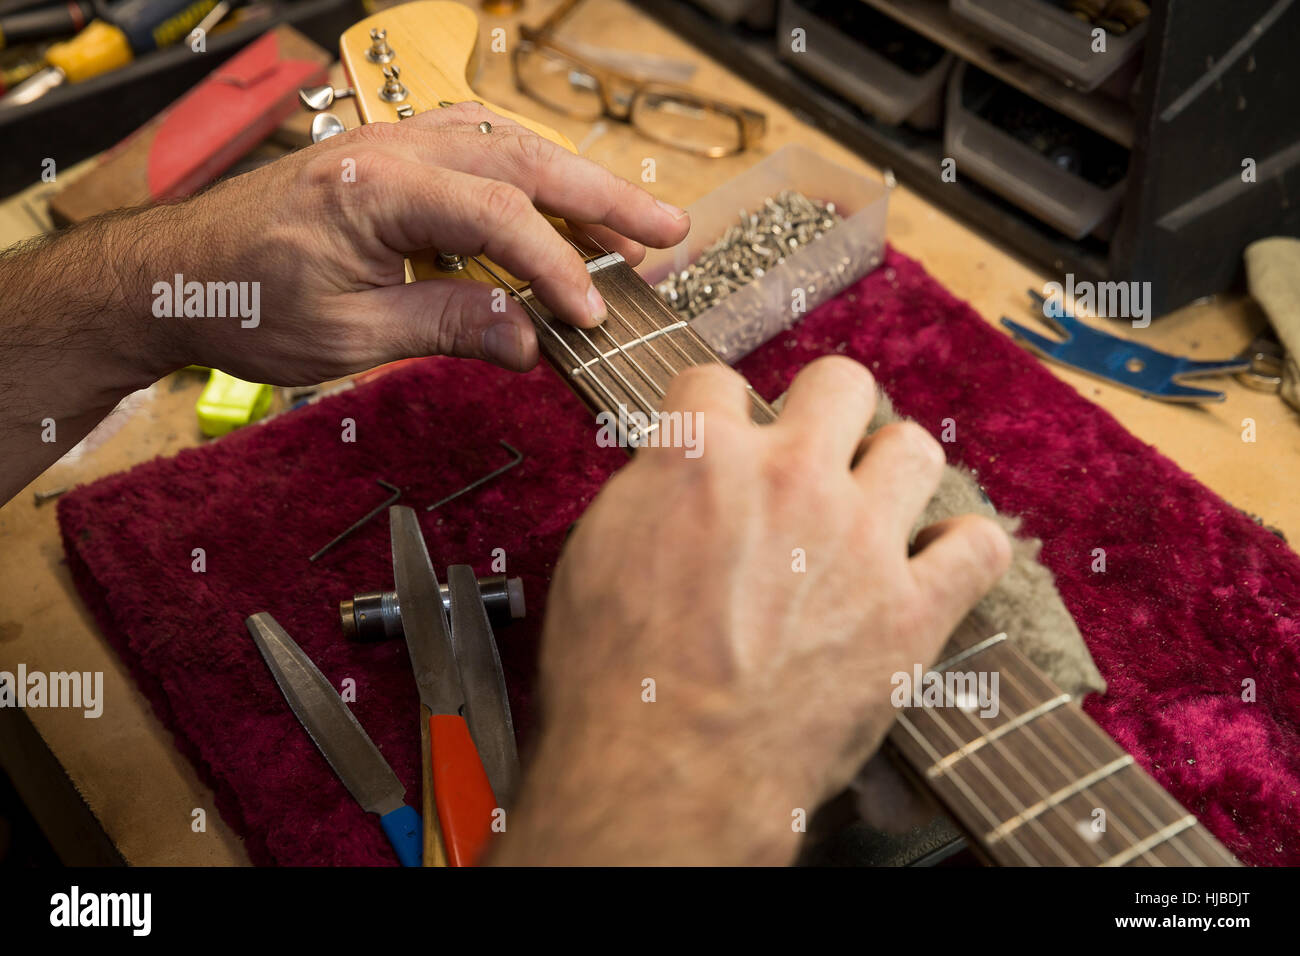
(380, 51)
(325, 125)
(317, 98)
(393, 91)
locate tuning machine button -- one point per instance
(325, 125)
(393, 91)
(317, 98)
(380, 51)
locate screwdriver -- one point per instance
(131, 28)
(61, 19)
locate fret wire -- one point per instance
(971, 796)
(1033, 738)
(1089, 755)
(983, 769)
(537, 317)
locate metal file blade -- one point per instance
(342, 741)
(428, 635)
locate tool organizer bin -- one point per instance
(845, 63)
(747, 318)
(73, 122)
(1015, 170)
(1047, 35)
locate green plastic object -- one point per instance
(228, 402)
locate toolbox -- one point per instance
(73, 122)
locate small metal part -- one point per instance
(396, 493)
(380, 51)
(405, 111)
(377, 615)
(445, 103)
(325, 125)
(485, 127)
(450, 262)
(392, 91)
(518, 457)
(748, 251)
(317, 98)
(44, 496)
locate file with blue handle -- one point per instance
(342, 741)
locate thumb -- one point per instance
(449, 317)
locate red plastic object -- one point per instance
(460, 789)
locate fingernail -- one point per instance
(595, 305)
(670, 209)
(502, 345)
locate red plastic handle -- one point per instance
(460, 789)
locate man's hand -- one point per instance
(771, 684)
(325, 231)
(322, 233)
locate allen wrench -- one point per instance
(396, 493)
(517, 458)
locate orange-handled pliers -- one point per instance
(461, 793)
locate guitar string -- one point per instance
(537, 317)
(710, 355)
(972, 797)
(601, 358)
(631, 329)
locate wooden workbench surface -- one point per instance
(124, 763)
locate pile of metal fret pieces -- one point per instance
(780, 227)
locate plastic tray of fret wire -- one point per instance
(767, 304)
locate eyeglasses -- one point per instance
(674, 115)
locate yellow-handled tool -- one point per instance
(132, 27)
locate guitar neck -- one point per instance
(1035, 781)
(626, 363)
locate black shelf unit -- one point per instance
(1219, 86)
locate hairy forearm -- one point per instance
(76, 336)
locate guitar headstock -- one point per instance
(416, 57)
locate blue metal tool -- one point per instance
(1119, 361)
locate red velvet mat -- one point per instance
(1195, 598)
